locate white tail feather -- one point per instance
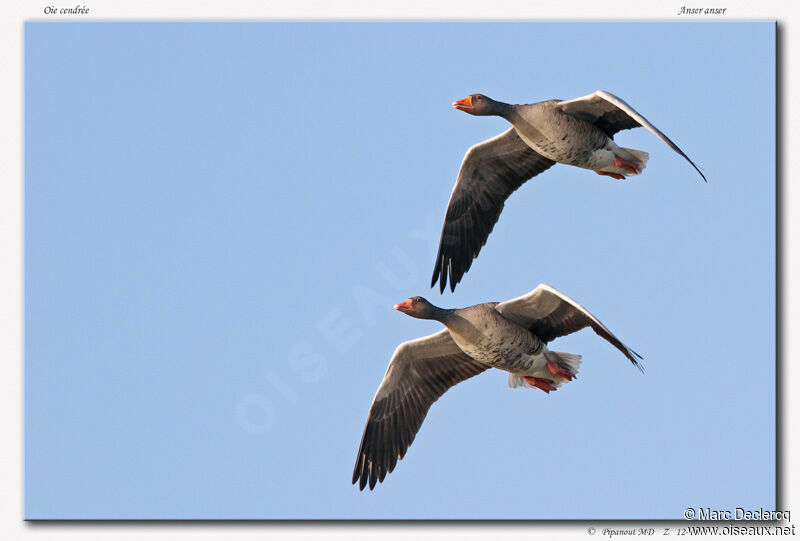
(570, 361)
(515, 381)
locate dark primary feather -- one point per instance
(548, 314)
(611, 114)
(419, 373)
(614, 121)
(490, 172)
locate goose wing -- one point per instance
(548, 314)
(490, 172)
(611, 114)
(419, 373)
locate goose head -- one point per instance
(417, 307)
(480, 105)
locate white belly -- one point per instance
(602, 159)
(537, 366)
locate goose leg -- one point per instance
(632, 167)
(558, 370)
(614, 175)
(540, 383)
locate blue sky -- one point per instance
(218, 218)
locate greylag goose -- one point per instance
(510, 335)
(577, 132)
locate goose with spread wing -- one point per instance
(510, 336)
(577, 132)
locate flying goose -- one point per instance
(510, 335)
(577, 132)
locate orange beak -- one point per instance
(464, 105)
(404, 306)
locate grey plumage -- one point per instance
(577, 132)
(548, 313)
(490, 172)
(419, 373)
(611, 114)
(510, 336)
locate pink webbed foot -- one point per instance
(540, 383)
(632, 167)
(613, 175)
(559, 371)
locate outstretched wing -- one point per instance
(419, 373)
(490, 172)
(611, 114)
(548, 314)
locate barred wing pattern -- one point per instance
(612, 114)
(419, 373)
(490, 172)
(548, 314)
